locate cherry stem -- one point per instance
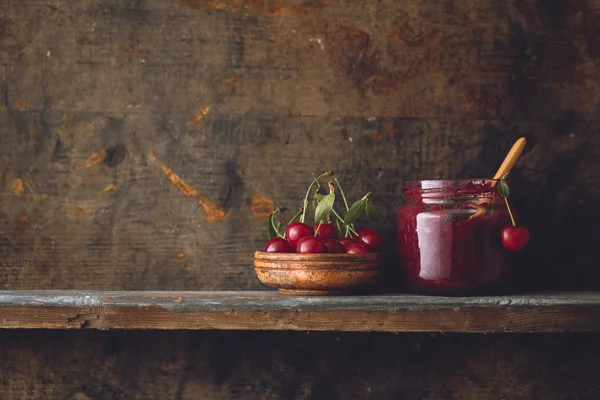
(337, 224)
(348, 227)
(341, 192)
(351, 227)
(276, 228)
(337, 215)
(509, 212)
(318, 227)
(337, 221)
(506, 201)
(295, 216)
(303, 216)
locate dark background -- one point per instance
(120, 120)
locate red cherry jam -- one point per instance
(449, 239)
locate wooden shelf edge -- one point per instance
(548, 312)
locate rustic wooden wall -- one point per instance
(137, 135)
(142, 140)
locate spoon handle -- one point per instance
(511, 158)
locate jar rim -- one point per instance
(412, 182)
(450, 187)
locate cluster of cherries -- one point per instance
(323, 238)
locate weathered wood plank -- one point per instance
(559, 312)
(246, 365)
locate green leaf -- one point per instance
(355, 211)
(318, 196)
(503, 189)
(324, 207)
(372, 211)
(272, 230)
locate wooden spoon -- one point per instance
(511, 158)
(509, 162)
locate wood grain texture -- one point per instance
(236, 99)
(267, 311)
(123, 123)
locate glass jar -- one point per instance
(449, 236)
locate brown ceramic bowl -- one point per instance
(317, 274)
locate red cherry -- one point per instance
(370, 239)
(334, 246)
(326, 231)
(346, 241)
(277, 245)
(515, 238)
(356, 248)
(296, 231)
(310, 244)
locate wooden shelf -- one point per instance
(554, 312)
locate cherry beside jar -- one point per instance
(449, 236)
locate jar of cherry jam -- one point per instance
(449, 237)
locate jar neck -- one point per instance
(453, 192)
(464, 201)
